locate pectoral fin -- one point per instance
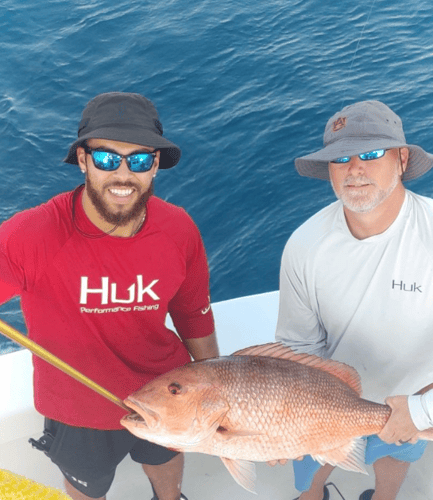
(243, 472)
(228, 434)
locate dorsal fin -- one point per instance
(344, 372)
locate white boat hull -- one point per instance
(240, 323)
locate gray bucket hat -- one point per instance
(359, 128)
(124, 117)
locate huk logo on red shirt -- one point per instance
(108, 292)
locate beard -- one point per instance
(121, 217)
(364, 201)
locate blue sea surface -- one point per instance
(243, 87)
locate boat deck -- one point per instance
(206, 478)
(240, 323)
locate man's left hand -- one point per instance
(399, 429)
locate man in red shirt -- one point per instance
(98, 270)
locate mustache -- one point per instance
(120, 185)
(358, 181)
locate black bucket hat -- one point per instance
(124, 117)
(359, 128)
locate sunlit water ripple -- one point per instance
(242, 87)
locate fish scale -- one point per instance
(281, 411)
(260, 404)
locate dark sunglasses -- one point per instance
(109, 161)
(371, 155)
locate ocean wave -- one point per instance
(242, 87)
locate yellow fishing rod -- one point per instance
(42, 353)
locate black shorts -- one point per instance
(88, 458)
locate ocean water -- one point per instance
(243, 87)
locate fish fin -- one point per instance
(344, 372)
(272, 349)
(227, 434)
(349, 457)
(243, 472)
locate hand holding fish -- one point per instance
(400, 428)
(272, 463)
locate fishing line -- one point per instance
(357, 46)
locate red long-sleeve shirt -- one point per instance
(100, 304)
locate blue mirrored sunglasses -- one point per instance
(108, 161)
(370, 155)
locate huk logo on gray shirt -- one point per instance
(404, 287)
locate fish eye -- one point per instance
(175, 388)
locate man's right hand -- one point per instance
(272, 463)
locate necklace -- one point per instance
(141, 223)
(83, 233)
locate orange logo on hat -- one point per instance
(339, 124)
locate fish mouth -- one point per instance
(135, 419)
(140, 415)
